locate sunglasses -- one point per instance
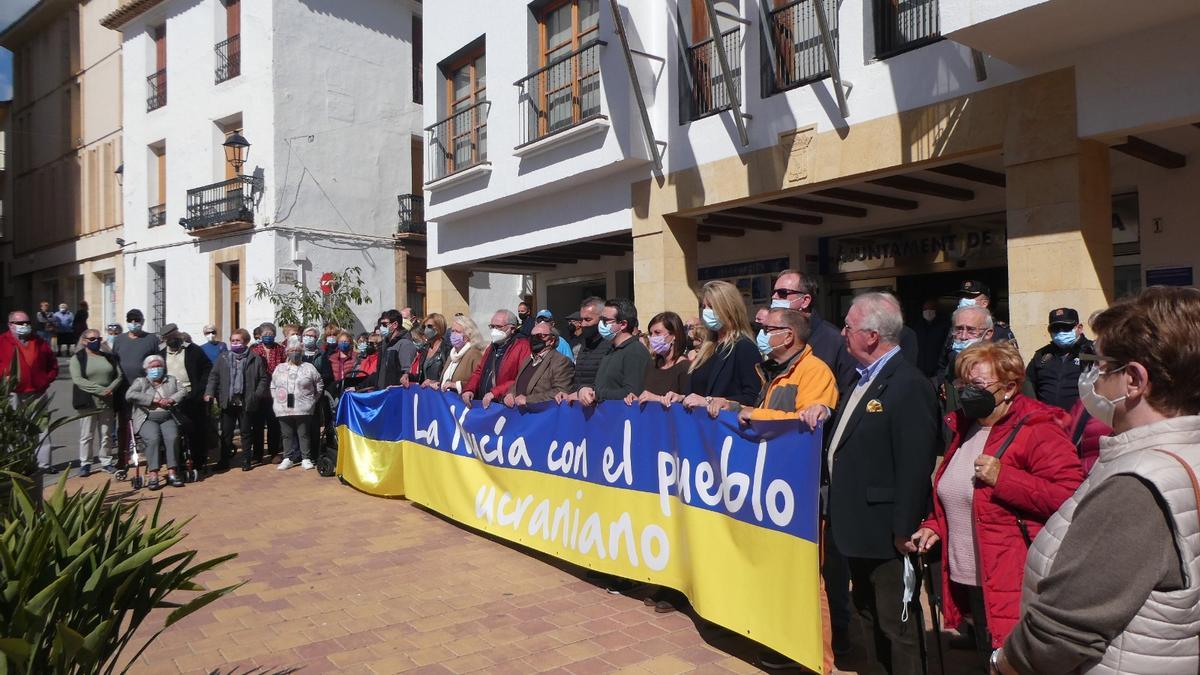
(543, 319)
(786, 292)
(19, 323)
(430, 326)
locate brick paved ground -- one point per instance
(341, 582)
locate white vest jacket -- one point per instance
(1164, 636)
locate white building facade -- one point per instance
(323, 92)
(905, 145)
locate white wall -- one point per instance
(325, 100)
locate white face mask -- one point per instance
(780, 303)
(1094, 403)
(211, 337)
(498, 335)
(929, 314)
(910, 588)
(966, 302)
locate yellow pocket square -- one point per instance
(874, 405)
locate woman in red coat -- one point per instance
(987, 509)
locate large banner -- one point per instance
(723, 513)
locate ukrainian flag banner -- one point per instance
(723, 513)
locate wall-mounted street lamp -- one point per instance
(237, 150)
(120, 174)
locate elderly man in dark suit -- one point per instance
(880, 454)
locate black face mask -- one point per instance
(174, 343)
(589, 333)
(537, 346)
(976, 402)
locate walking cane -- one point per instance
(934, 610)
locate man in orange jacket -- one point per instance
(35, 366)
(797, 385)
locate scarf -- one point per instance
(456, 355)
(237, 373)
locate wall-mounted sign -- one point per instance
(976, 240)
(286, 277)
(1169, 276)
(327, 282)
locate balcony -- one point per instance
(222, 207)
(707, 95)
(229, 59)
(156, 86)
(157, 215)
(904, 25)
(799, 55)
(562, 94)
(412, 215)
(458, 144)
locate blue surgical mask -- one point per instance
(1066, 338)
(384, 330)
(606, 329)
(344, 346)
(959, 345)
(24, 330)
(134, 326)
(155, 373)
(966, 302)
(709, 317)
(268, 340)
(362, 346)
(780, 303)
(764, 343)
(310, 341)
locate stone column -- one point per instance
(1060, 249)
(664, 266)
(448, 291)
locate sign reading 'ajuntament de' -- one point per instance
(976, 240)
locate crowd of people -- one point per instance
(946, 453)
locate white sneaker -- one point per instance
(307, 464)
(284, 465)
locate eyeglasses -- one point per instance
(498, 327)
(976, 383)
(772, 329)
(430, 326)
(543, 319)
(19, 323)
(786, 292)
(605, 319)
(969, 331)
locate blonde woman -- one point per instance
(723, 372)
(466, 349)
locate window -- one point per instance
(156, 82)
(460, 141)
(418, 48)
(158, 295)
(904, 25)
(157, 209)
(229, 50)
(703, 82)
(565, 89)
(799, 54)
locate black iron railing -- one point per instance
(458, 142)
(157, 215)
(156, 86)
(561, 94)
(799, 54)
(708, 95)
(412, 214)
(901, 25)
(230, 201)
(229, 59)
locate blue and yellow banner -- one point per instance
(723, 513)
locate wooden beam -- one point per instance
(557, 252)
(829, 208)
(776, 216)
(973, 173)
(590, 249)
(926, 187)
(523, 265)
(871, 198)
(720, 231)
(726, 221)
(551, 260)
(756, 224)
(1148, 152)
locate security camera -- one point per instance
(120, 242)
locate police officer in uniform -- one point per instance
(1054, 369)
